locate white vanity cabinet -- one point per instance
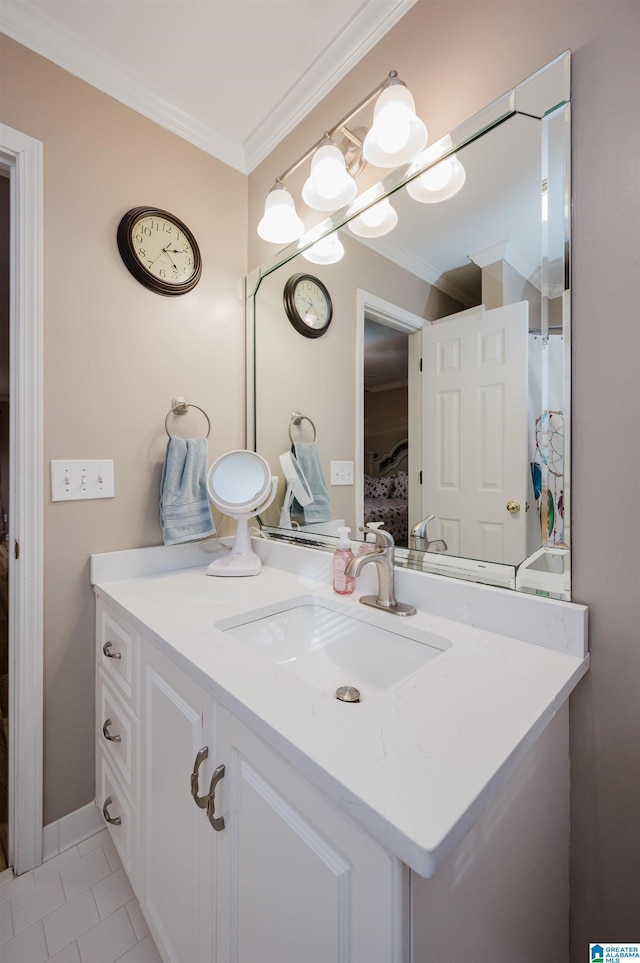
(118, 734)
(271, 871)
(296, 880)
(175, 880)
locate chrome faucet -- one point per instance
(382, 558)
(420, 531)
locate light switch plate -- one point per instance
(342, 473)
(74, 480)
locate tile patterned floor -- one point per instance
(76, 908)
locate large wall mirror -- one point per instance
(437, 400)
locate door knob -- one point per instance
(513, 507)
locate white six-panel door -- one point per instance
(474, 411)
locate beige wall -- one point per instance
(115, 354)
(457, 56)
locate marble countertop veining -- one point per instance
(414, 765)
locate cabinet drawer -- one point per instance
(117, 732)
(115, 804)
(118, 654)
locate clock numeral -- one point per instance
(138, 238)
(162, 273)
(142, 252)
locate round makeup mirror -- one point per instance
(297, 487)
(240, 485)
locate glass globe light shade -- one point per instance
(327, 250)
(396, 134)
(439, 183)
(375, 221)
(280, 223)
(329, 185)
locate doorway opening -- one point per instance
(5, 200)
(21, 164)
(387, 400)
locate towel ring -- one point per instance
(296, 419)
(180, 406)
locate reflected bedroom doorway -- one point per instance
(387, 435)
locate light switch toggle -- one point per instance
(74, 480)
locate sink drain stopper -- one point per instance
(348, 693)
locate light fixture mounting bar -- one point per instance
(391, 78)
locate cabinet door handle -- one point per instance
(200, 801)
(110, 655)
(107, 734)
(114, 820)
(216, 821)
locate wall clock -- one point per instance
(159, 250)
(308, 305)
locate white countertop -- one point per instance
(414, 765)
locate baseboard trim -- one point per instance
(71, 830)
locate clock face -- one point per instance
(308, 305)
(159, 250)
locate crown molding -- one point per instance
(40, 33)
(362, 32)
(422, 269)
(509, 252)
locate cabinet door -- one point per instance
(176, 842)
(297, 880)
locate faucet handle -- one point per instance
(420, 530)
(384, 539)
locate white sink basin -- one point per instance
(329, 646)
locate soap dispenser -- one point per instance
(342, 584)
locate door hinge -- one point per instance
(16, 549)
(420, 477)
(420, 364)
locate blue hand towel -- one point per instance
(308, 458)
(185, 512)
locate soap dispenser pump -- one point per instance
(342, 584)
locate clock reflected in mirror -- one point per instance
(307, 304)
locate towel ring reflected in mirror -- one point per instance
(181, 407)
(296, 419)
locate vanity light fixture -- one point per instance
(329, 185)
(397, 136)
(439, 183)
(280, 223)
(328, 250)
(375, 221)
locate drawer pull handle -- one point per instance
(107, 734)
(110, 655)
(200, 801)
(114, 820)
(216, 821)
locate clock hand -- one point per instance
(173, 264)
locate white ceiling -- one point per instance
(231, 76)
